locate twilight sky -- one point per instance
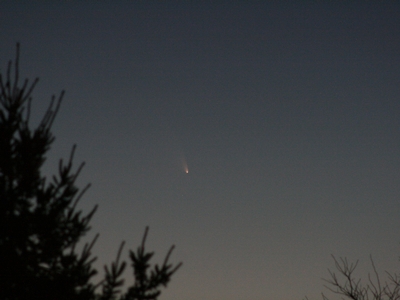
(286, 114)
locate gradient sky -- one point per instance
(287, 115)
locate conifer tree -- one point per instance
(40, 224)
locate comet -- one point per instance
(185, 166)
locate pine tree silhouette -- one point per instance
(40, 225)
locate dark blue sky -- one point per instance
(287, 115)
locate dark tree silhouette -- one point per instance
(343, 282)
(40, 224)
